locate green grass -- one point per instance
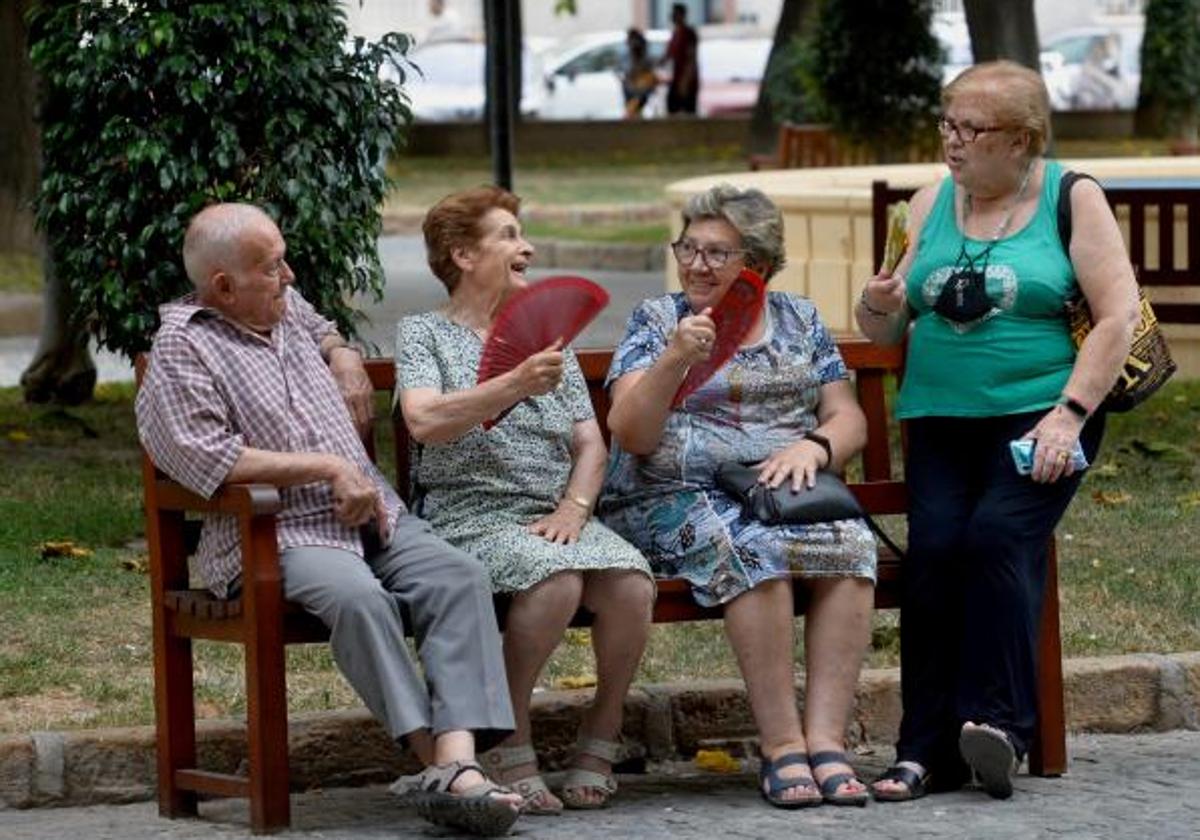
(20, 272)
(76, 649)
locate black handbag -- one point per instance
(828, 500)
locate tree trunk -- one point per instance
(18, 133)
(763, 126)
(1003, 29)
(62, 370)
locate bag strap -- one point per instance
(1069, 178)
(879, 532)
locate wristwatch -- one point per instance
(1075, 407)
(824, 443)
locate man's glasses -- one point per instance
(686, 250)
(966, 133)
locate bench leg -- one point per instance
(175, 721)
(1048, 752)
(266, 690)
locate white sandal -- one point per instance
(578, 779)
(532, 788)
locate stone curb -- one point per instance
(1122, 694)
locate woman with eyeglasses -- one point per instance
(980, 296)
(782, 402)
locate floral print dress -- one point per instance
(763, 400)
(480, 492)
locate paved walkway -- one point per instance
(1120, 786)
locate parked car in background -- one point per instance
(450, 83)
(582, 78)
(1094, 68)
(951, 32)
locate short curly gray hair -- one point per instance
(754, 216)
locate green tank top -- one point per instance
(1016, 359)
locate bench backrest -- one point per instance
(1173, 210)
(875, 480)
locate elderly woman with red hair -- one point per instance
(520, 495)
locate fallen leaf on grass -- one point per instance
(62, 548)
(1190, 500)
(139, 564)
(19, 436)
(1106, 470)
(585, 681)
(717, 761)
(1112, 498)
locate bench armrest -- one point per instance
(236, 499)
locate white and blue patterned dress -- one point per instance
(763, 400)
(480, 492)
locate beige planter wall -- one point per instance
(827, 228)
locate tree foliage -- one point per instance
(153, 109)
(872, 68)
(1170, 86)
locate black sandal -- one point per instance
(768, 771)
(917, 784)
(829, 787)
(990, 754)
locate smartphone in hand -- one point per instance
(1022, 455)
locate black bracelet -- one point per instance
(1075, 407)
(871, 310)
(824, 443)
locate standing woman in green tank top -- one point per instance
(980, 298)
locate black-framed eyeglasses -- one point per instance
(685, 251)
(965, 132)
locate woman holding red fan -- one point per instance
(519, 496)
(784, 402)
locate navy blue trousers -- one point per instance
(973, 583)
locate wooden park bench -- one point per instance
(813, 144)
(263, 623)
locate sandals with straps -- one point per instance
(578, 779)
(917, 784)
(532, 787)
(475, 810)
(829, 787)
(768, 771)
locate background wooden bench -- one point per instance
(1172, 213)
(815, 144)
(263, 623)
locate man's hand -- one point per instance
(356, 499)
(346, 365)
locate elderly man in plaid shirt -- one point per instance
(247, 383)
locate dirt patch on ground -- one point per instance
(45, 711)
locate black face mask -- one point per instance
(964, 298)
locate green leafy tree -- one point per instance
(872, 68)
(1169, 99)
(152, 109)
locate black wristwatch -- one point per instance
(823, 442)
(1075, 407)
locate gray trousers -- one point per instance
(446, 597)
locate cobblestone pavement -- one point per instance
(1119, 786)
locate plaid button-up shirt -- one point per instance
(213, 388)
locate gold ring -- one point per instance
(1062, 456)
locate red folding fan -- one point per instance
(734, 316)
(557, 308)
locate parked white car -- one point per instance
(450, 83)
(582, 78)
(1094, 68)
